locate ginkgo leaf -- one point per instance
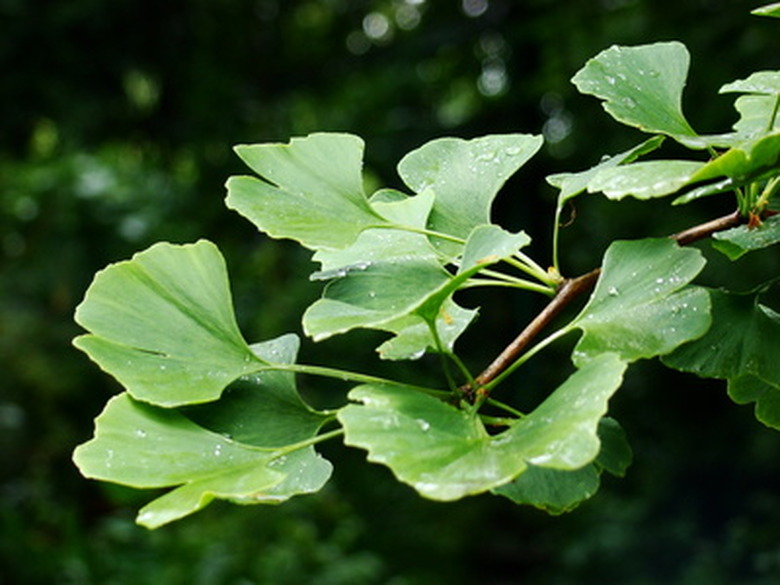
(642, 305)
(397, 286)
(465, 175)
(744, 339)
(748, 388)
(146, 446)
(553, 490)
(759, 82)
(488, 244)
(412, 334)
(641, 86)
(163, 325)
(644, 179)
(572, 184)
(445, 453)
(738, 241)
(310, 190)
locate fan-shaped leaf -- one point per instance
(163, 325)
(641, 306)
(445, 453)
(146, 446)
(641, 86)
(311, 190)
(465, 176)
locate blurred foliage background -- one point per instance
(116, 131)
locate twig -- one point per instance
(570, 289)
(706, 229)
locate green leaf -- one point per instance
(488, 244)
(311, 190)
(384, 244)
(759, 82)
(744, 163)
(562, 432)
(641, 306)
(553, 490)
(163, 325)
(755, 113)
(641, 86)
(266, 409)
(445, 453)
(572, 184)
(644, 180)
(146, 446)
(373, 296)
(740, 240)
(413, 336)
(744, 339)
(557, 491)
(465, 176)
(398, 291)
(748, 388)
(615, 455)
(768, 10)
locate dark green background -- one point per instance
(116, 122)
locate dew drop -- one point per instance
(217, 450)
(140, 433)
(613, 291)
(424, 425)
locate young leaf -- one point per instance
(311, 190)
(397, 290)
(162, 324)
(384, 244)
(488, 244)
(465, 176)
(641, 86)
(641, 306)
(740, 240)
(373, 296)
(146, 446)
(413, 334)
(445, 453)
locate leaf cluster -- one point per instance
(212, 416)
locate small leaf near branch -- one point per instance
(642, 305)
(740, 240)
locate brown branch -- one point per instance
(707, 229)
(570, 289)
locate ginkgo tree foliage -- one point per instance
(210, 415)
